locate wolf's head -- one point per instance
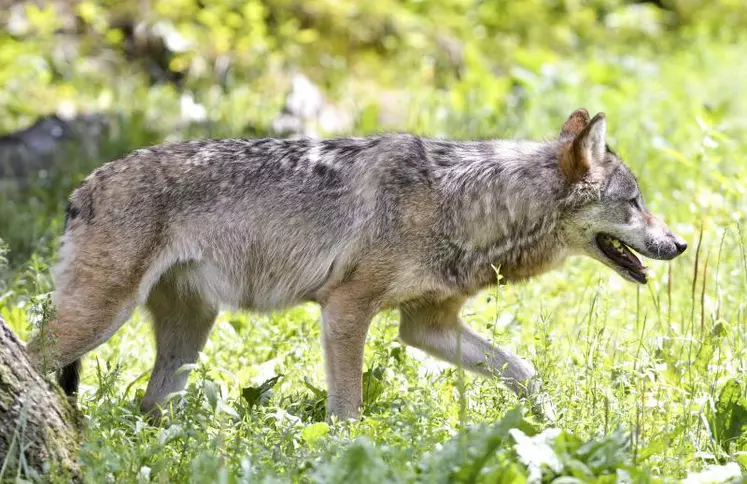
(607, 215)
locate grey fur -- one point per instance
(355, 224)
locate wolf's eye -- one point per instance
(634, 203)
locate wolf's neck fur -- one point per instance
(500, 204)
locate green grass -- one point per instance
(647, 380)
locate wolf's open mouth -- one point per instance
(622, 256)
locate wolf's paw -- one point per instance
(540, 402)
(161, 414)
(543, 408)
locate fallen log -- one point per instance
(39, 432)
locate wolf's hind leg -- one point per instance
(91, 305)
(437, 329)
(182, 320)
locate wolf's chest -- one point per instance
(471, 271)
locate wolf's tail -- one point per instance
(69, 376)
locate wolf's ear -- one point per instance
(576, 123)
(586, 148)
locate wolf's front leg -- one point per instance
(437, 329)
(345, 320)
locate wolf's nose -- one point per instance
(680, 244)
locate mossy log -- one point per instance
(38, 426)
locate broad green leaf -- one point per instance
(314, 432)
(730, 417)
(259, 395)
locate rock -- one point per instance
(32, 149)
(43, 145)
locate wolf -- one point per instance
(356, 225)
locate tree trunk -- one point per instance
(38, 428)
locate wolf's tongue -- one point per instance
(618, 251)
(626, 253)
